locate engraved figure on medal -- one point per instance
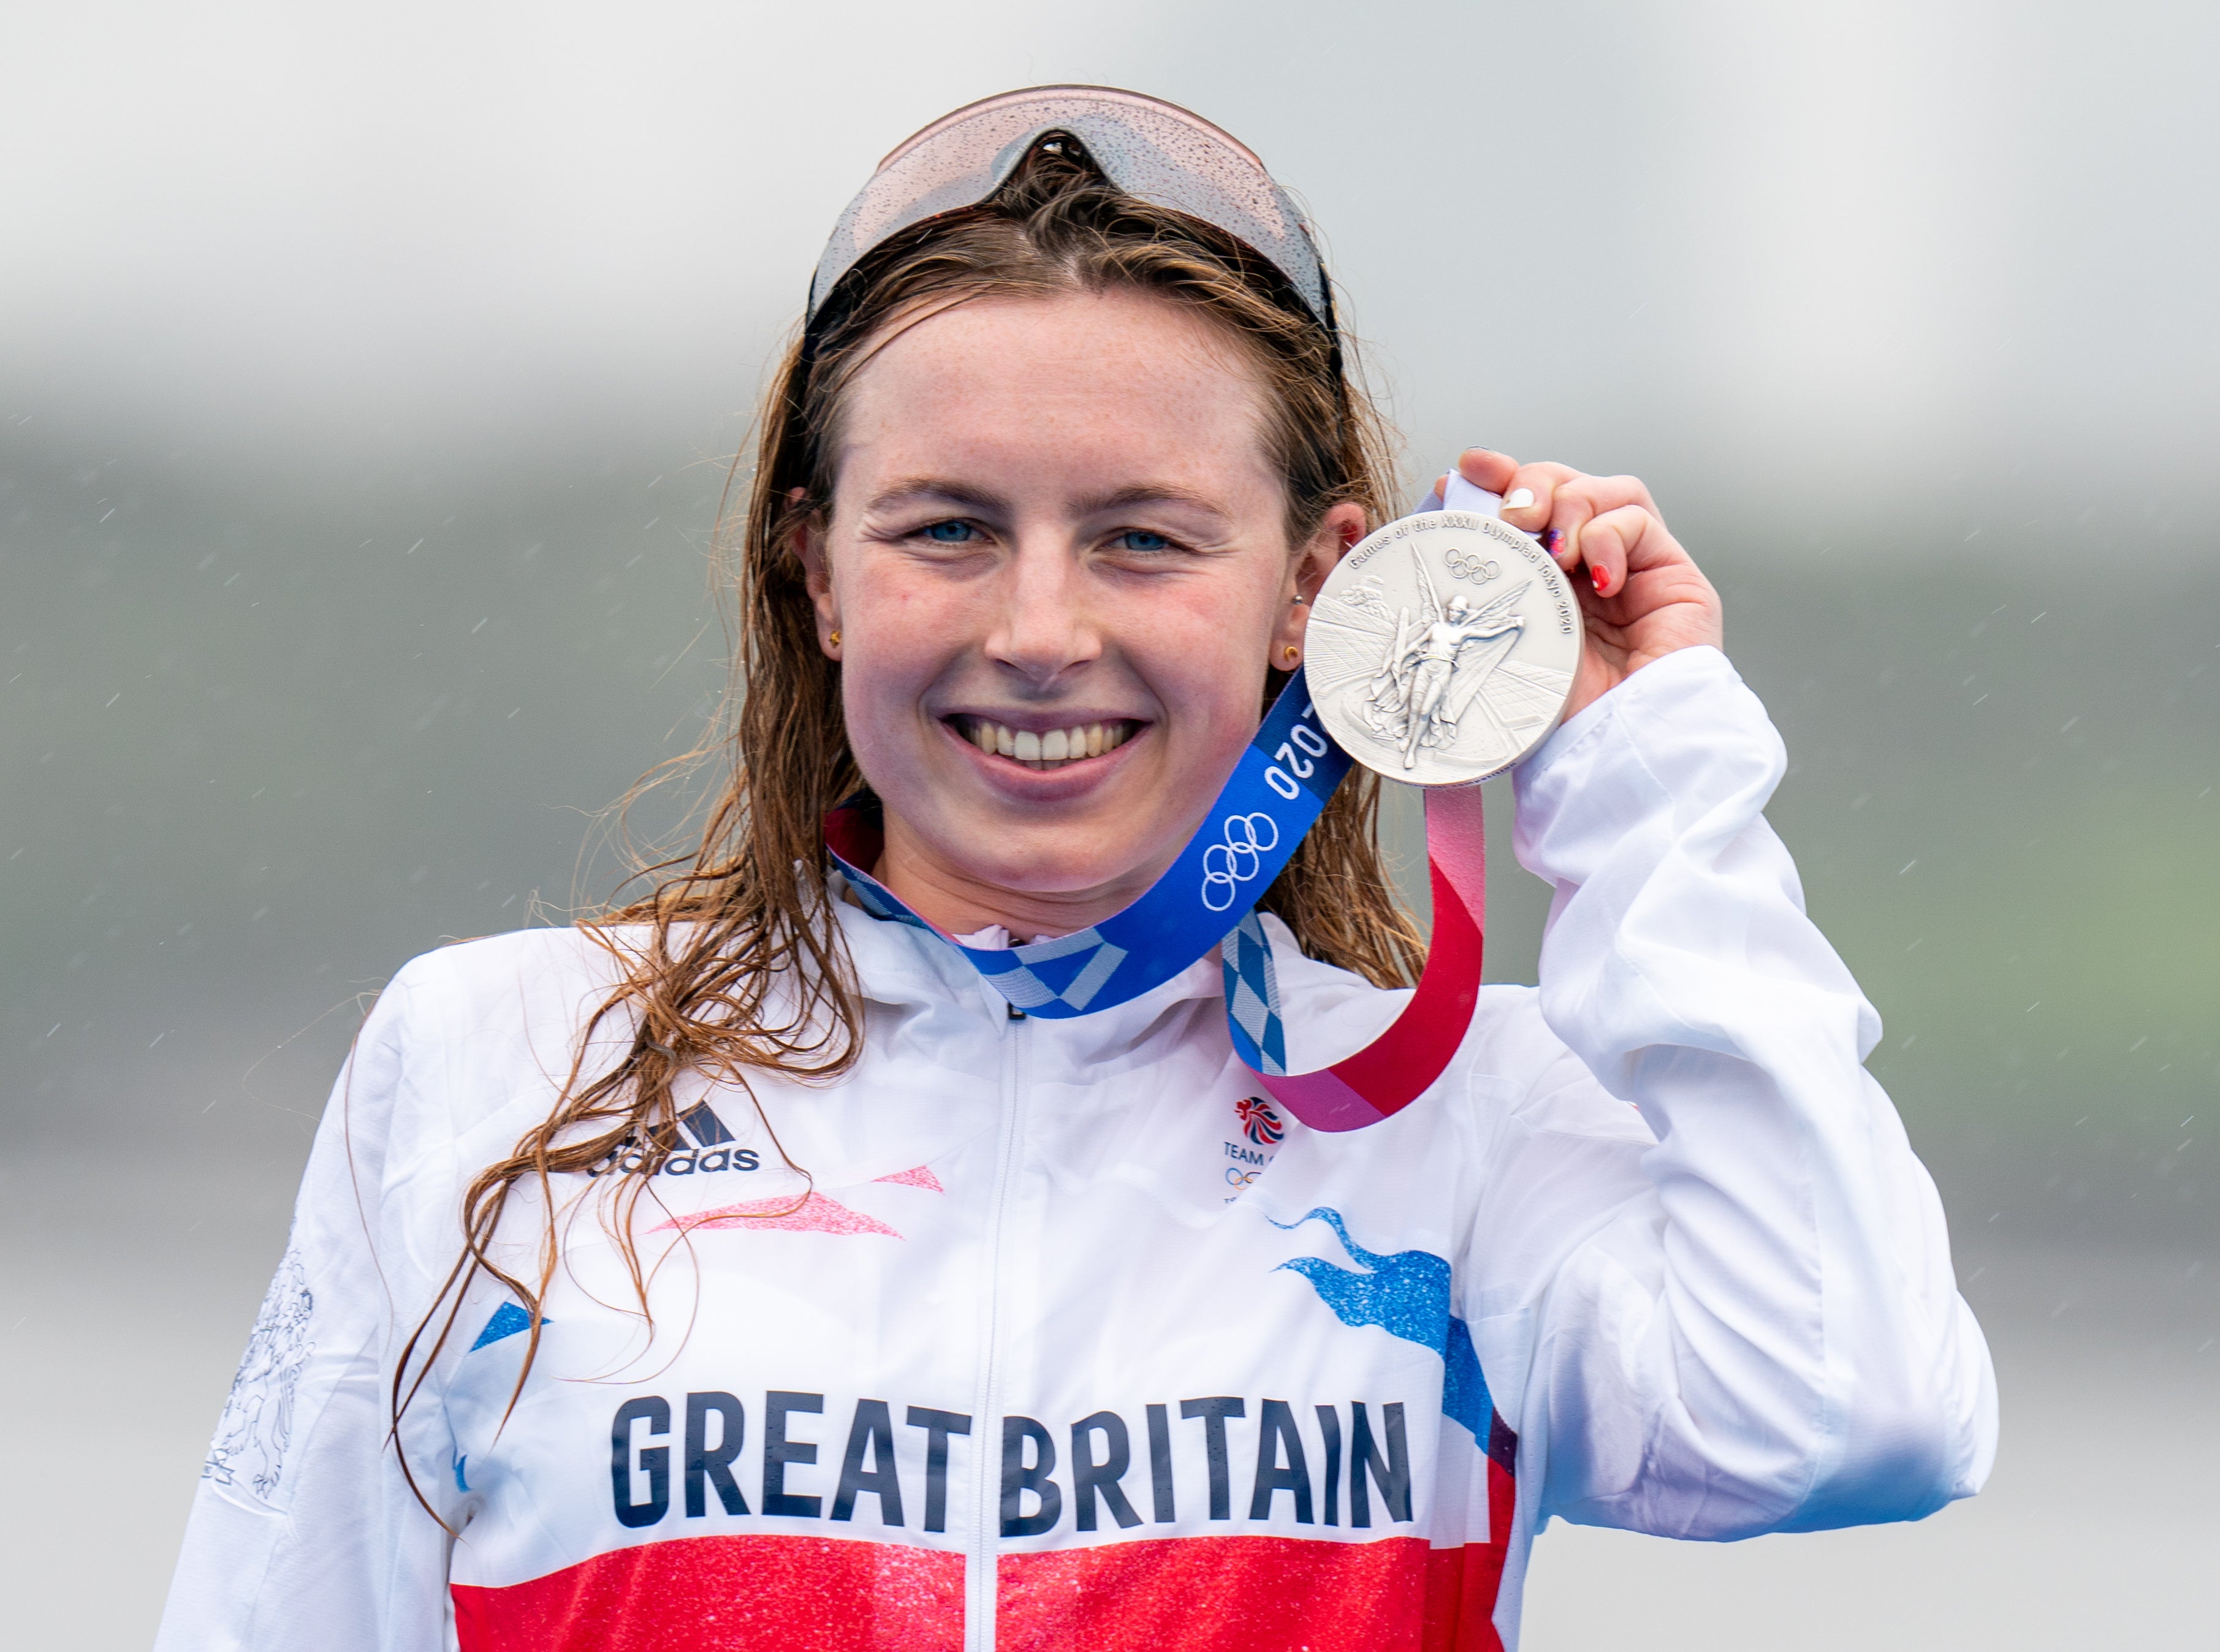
(1442, 648)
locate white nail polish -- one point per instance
(1519, 499)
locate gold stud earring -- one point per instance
(1293, 653)
(836, 640)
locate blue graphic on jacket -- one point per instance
(507, 1320)
(1406, 1295)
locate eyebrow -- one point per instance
(909, 489)
(934, 487)
(1120, 498)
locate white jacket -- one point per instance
(1068, 1341)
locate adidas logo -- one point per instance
(712, 1149)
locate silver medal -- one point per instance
(1442, 650)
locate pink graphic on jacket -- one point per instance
(917, 1177)
(815, 1214)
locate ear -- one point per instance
(1338, 532)
(817, 577)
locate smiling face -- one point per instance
(1057, 563)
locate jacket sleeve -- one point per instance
(303, 1532)
(1749, 1322)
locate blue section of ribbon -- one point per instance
(1252, 997)
(1285, 776)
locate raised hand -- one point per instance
(1641, 596)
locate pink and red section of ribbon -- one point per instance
(1401, 1064)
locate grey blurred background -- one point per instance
(368, 378)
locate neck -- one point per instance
(958, 903)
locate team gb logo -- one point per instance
(1258, 1122)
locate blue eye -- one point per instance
(949, 532)
(1139, 539)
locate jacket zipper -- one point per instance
(980, 1568)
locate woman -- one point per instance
(811, 1293)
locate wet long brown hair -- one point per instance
(733, 964)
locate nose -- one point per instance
(1045, 631)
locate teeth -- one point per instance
(1052, 750)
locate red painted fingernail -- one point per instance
(1551, 540)
(1601, 579)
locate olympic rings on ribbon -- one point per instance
(1235, 862)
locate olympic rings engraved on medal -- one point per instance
(1248, 838)
(1480, 571)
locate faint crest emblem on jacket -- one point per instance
(256, 1431)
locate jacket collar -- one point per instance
(902, 966)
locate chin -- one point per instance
(1064, 858)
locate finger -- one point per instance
(1573, 501)
(1603, 493)
(1486, 468)
(1529, 494)
(1619, 544)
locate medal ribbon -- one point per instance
(1207, 899)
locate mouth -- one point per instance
(1045, 750)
